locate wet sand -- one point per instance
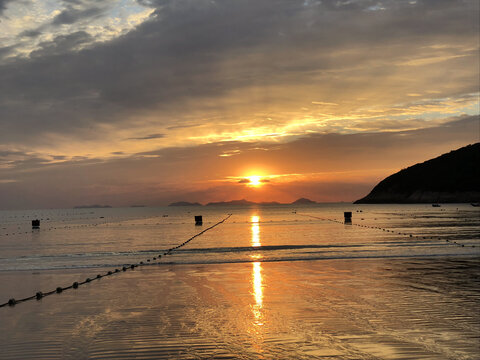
(329, 309)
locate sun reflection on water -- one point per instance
(255, 230)
(257, 293)
(257, 281)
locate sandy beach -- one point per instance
(333, 309)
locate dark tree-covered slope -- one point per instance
(450, 178)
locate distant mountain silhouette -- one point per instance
(303, 201)
(92, 207)
(185, 203)
(232, 202)
(450, 178)
(244, 202)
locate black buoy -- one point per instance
(99, 276)
(87, 280)
(75, 285)
(132, 266)
(39, 295)
(124, 268)
(59, 290)
(109, 273)
(36, 224)
(348, 217)
(12, 302)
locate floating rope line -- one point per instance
(48, 221)
(391, 231)
(39, 295)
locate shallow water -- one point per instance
(271, 282)
(111, 237)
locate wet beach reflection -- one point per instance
(257, 281)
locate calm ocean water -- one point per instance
(88, 238)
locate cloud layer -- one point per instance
(100, 82)
(328, 167)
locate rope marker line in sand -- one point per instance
(39, 294)
(387, 230)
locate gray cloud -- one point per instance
(148, 137)
(59, 157)
(3, 5)
(190, 51)
(6, 51)
(30, 33)
(72, 15)
(62, 44)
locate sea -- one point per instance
(250, 282)
(112, 237)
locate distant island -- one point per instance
(92, 207)
(450, 178)
(303, 201)
(243, 202)
(185, 203)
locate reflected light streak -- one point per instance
(255, 231)
(257, 293)
(257, 273)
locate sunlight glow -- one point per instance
(255, 180)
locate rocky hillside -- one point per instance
(449, 178)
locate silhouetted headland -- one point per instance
(450, 178)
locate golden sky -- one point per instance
(153, 101)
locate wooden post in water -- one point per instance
(198, 220)
(348, 217)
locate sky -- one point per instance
(146, 102)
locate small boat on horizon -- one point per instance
(436, 205)
(475, 204)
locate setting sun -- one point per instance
(255, 180)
